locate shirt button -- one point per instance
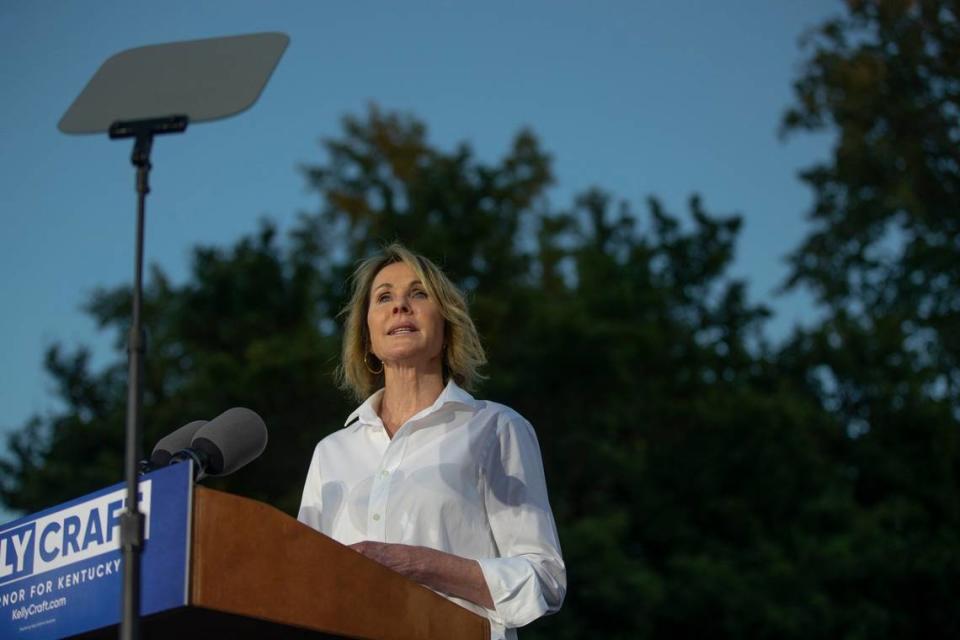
(384, 473)
(376, 516)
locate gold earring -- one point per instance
(366, 363)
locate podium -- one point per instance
(252, 571)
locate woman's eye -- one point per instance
(420, 294)
(383, 297)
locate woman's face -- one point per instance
(404, 322)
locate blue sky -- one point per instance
(640, 98)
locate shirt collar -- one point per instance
(452, 394)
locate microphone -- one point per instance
(168, 445)
(228, 442)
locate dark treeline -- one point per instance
(706, 482)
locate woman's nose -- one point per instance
(401, 305)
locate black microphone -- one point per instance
(168, 445)
(228, 442)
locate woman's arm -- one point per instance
(438, 570)
(528, 579)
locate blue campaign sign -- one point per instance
(60, 569)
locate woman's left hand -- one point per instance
(399, 557)
(438, 570)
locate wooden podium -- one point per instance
(255, 572)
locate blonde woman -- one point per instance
(423, 478)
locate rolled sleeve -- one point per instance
(529, 579)
(520, 592)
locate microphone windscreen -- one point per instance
(231, 440)
(173, 442)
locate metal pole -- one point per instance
(131, 521)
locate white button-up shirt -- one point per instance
(463, 476)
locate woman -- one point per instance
(443, 488)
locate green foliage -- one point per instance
(885, 223)
(884, 258)
(619, 337)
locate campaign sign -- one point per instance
(61, 569)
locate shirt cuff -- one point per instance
(515, 589)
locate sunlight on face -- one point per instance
(404, 321)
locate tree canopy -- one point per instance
(705, 482)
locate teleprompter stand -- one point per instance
(141, 93)
(131, 521)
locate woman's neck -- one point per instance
(407, 391)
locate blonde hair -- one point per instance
(463, 355)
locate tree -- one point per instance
(884, 260)
(690, 475)
(270, 355)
